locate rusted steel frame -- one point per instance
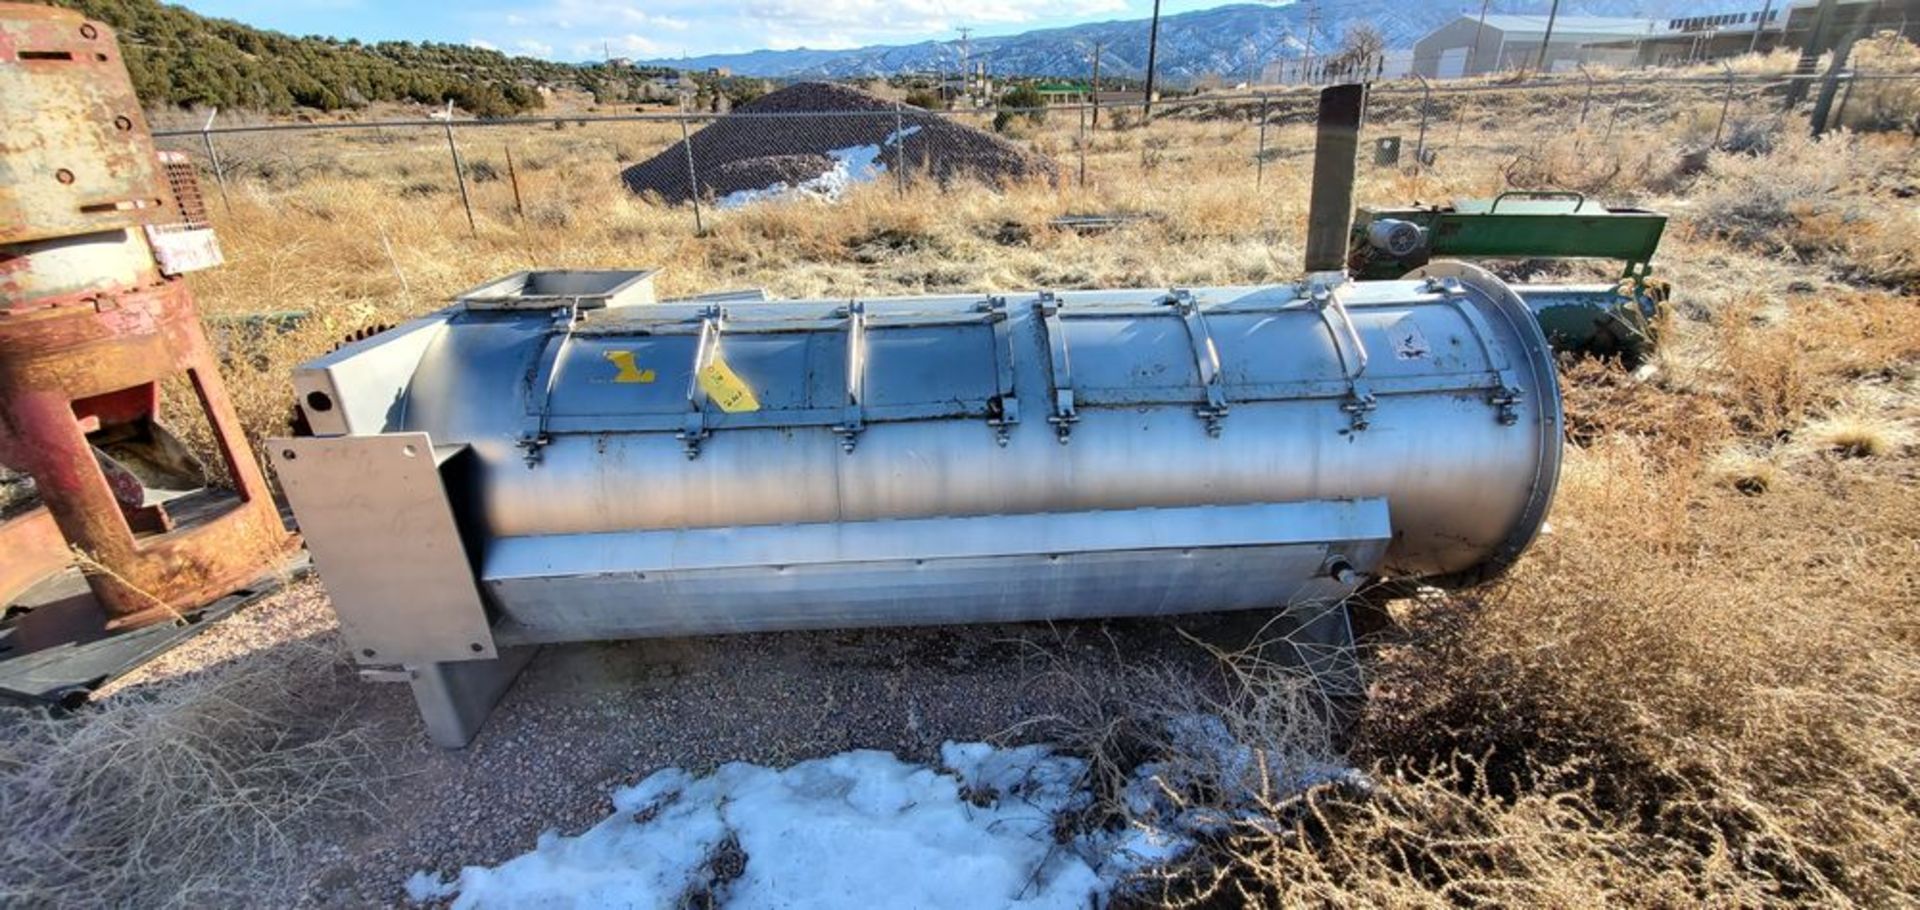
(34, 551)
(53, 359)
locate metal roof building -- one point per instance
(1770, 25)
(1468, 46)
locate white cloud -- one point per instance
(482, 44)
(917, 17)
(586, 29)
(628, 45)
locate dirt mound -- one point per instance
(753, 148)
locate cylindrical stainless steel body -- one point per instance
(1440, 399)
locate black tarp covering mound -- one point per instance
(748, 150)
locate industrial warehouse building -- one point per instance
(1778, 24)
(1469, 46)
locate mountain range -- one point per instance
(1232, 41)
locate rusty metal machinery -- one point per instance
(560, 457)
(96, 229)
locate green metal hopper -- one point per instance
(1613, 320)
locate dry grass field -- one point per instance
(1701, 688)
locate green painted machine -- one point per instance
(1606, 320)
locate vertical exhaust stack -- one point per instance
(1335, 155)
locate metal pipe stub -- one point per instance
(1335, 155)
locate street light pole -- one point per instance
(1153, 48)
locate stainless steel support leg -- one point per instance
(455, 698)
(1321, 636)
(1314, 637)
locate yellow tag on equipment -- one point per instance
(726, 388)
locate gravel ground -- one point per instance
(584, 719)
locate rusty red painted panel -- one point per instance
(75, 154)
(152, 577)
(35, 550)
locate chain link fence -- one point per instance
(533, 174)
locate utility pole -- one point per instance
(1810, 54)
(1096, 84)
(1540, 66)
(1153, 48)
(1313, 20)
(1753, 44)
(966, 65)
(1473, 56)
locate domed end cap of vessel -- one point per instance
(1547, 416)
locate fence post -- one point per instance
(460, 174)
(899, 148)
(1586, 102)
(513, 177)
(1726, 104)
(1426, 111)
(693, 180)
(1260, 156)
(1840, 113)
(1083, 147)
(1829, 87)
(213, 158)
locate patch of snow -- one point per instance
(858, 829)
(851, 165)
(425, 886)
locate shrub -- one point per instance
(927, 99)
(1023, 98)
(1885, 105)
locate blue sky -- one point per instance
(579, 29)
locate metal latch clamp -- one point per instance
(1007, 413)
(1505, 399)
(1350, 348)
(695, 430)
(1206, 358)
(853, 413)
(1060, 361)
(534, 435)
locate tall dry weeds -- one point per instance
(196, 791)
